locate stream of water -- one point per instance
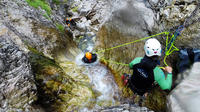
(100, 77)
(102, 81)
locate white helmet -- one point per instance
(152, 47)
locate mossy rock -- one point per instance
(156, 100)
(57, 90)
(40, 3)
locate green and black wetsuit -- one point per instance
(142, 85)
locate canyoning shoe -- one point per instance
(125, 82)
(122, 77)
(125, 78)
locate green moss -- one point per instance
(50, 80)
(75, 9)
(33, 50)
(60, 27)
(39, 59)
(40, 3)
(156, 100)
(104, 103)
(46, 16)
(57, 2)
(65, 1)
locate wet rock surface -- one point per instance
(57, 90)
(18, 90)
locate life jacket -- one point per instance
(143, 76)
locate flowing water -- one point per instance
(100, 77)
(102, 81)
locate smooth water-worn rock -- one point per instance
(184, 98)
(17, 85)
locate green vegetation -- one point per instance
(46, 16)
(60, 27)
(57, 2)
(40, 3)
(75, 9)
(33, 50)
(39, 58)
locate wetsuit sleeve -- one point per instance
(94, 57)
(135, 61)
(164, 83)
(85, 60)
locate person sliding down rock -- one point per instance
(146, 72)
(89, 57)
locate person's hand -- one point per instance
(168, 69)
(145, 94)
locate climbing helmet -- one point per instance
(152, 47)
(88, 55)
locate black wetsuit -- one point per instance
(143, 77)
(94, 58)
(71, 22)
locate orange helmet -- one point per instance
(88, 55)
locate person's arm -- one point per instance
(164, 83)
(135, 61)
(94, 57)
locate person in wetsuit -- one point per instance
(89, 57)
(70, 22)
(146, 72)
